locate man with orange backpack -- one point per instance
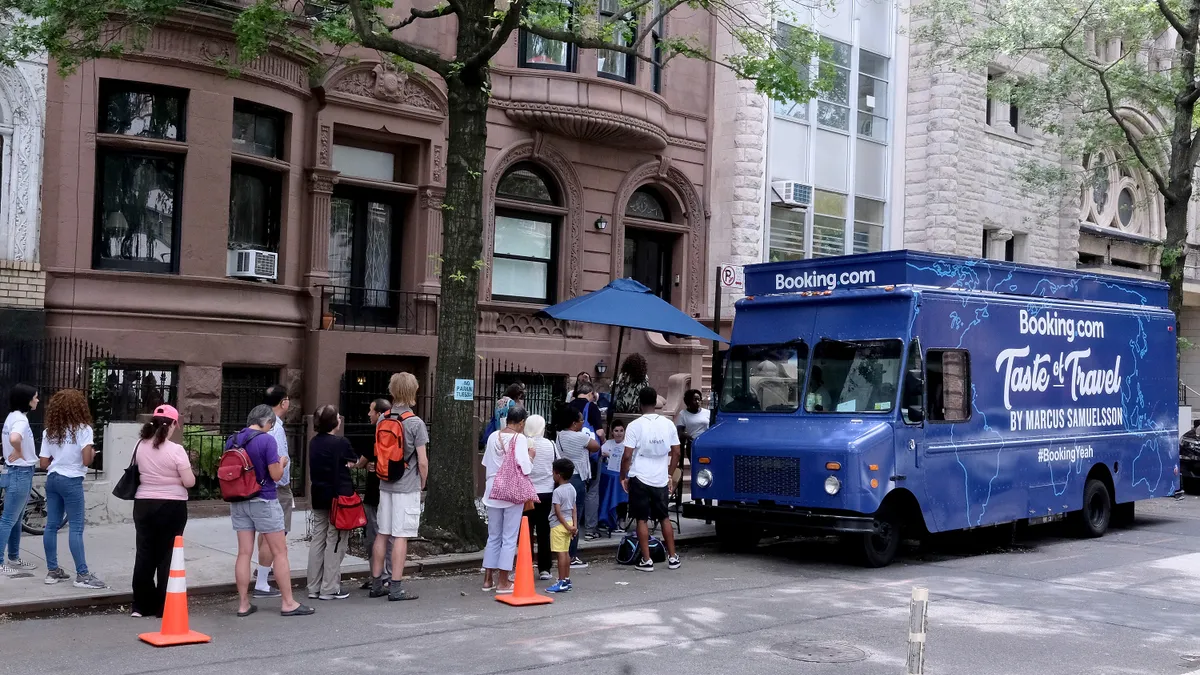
(402, 467)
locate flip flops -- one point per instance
(253, 609)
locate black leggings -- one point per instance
(157, 522)
(539, 520)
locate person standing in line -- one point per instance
(513, 396)
(276, 396)
(159, 508)
(651, 455)
(67, 452)
(503, 518)
(575, 444)
(630, 382)
(400, 500)
(611, 454)
(579, 379)
(563, 527)
(593, 423)
(21, 456)
(542, 477)
(330, 459)
(379, 408)
(263, 514)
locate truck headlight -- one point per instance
(832, 485)
(703, 478)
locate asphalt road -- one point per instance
(1126, 604)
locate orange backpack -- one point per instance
(390, 460)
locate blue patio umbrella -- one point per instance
(625, 303)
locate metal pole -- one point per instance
(918, 614)
(715, 379)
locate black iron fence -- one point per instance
(205, 442)
(378, 311)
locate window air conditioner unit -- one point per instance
(793, 193)
(253, 264)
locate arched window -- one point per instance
(645, 203)
(1116, 197)
(528, 212)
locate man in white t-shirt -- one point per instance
(277, 397)
(651, 455)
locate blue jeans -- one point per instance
(580, 499)
(64, 495)
(16, 496)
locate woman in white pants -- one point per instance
(504, 518)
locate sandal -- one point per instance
(301, 610)
(504, 591)
(253, 609)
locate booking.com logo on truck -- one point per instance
(823, 280)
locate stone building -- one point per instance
(22, 121)
(219, 234)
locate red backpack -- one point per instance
(390, 463)
(235, 471)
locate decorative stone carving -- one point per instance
(322, 180)
(437, 163)
(386, 83)
(324, 148)
(514, 323)
(675, 183)
(564, 173)
(23, 88)
(597, 126)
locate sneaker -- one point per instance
(55, 576)
(14, 573)
(673, 562)
(544, 576)
(340, 595)
(644, 566)
(562, 586)
(316, 596)
(88, 581)
(590, 536)
(21, 565)
(269, 593)
(578, 564)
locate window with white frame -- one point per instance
(868, 225)
(872, 95)
(833, 106)
(610, 63)
(829, 224)
(797, 110)
(786, 241)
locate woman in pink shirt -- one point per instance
(159, 508)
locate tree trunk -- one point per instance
(453, 453)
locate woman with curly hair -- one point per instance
(630, 384)
(67, 452)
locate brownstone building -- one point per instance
(223, 232)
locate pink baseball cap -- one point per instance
(167, 411)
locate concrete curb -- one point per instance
(453, 562)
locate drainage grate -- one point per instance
(813, 651)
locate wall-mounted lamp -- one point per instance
(601, 223)
(601, 367)
(362, 381)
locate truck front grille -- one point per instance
(766, 475)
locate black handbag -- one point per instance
(127, 487)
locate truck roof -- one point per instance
(930, 270)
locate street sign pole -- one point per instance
(716, 353)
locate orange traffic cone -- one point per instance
(524, 592)
(175, 612)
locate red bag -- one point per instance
(347, 513)
(235, 472)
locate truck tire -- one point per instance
(878, 548)
(1093, 519)
(737, 537)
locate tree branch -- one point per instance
(644, 31)
(386, 43)
(1174, 20)
(511, 20)
(434, 13)
(587, 43)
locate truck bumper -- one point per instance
(795, 519)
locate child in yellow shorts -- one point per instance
(562, 522)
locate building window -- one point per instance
(797, 110)
(242, 388)
(656, 38)
(993, 250)
(136, 389)
(829, 224)
(948, 381)
(254, 200)
(137, 218)
(1002, 108)
(1115, 196)
(538, 52)
(364, 254)
(872, 96)
(257, 130)
(648, 249)
(833, 106)
(646, 205)
(526, 231)
(786, 239)
(613, 64)
(868, 225)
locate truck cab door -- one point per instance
(910, 432)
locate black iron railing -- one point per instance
(375, 311)
(205, 442)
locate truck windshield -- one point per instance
(763, 378)
(854, 377)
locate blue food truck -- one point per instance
(891, 395)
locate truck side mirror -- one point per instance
(915, 414)
(913, 381)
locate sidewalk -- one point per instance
(210, 548)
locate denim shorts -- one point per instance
(257, 515)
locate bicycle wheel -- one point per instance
(34, 521)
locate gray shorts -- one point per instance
(257, 515)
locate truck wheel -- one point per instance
(737, 537)
(1092, 521)
(878, 548)
(1191, 485)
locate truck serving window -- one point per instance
(948, 382)
(854, 377)
(763, 378)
